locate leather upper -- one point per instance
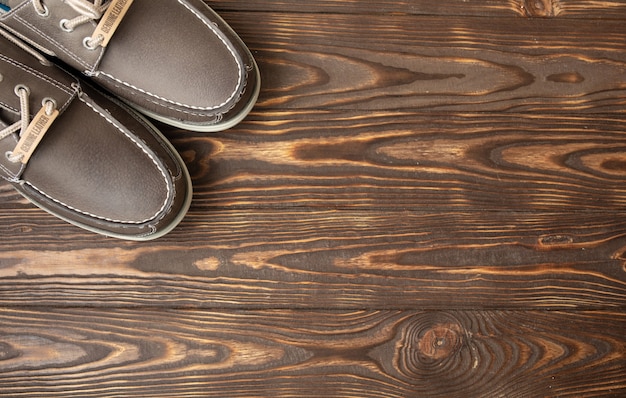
(100, 166)
(175, 59)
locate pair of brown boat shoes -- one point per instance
(79, 144)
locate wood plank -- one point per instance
(396, 160)
(307, 258)
(430, 63)
(485, 8)
(382, 62)
(407, 161)
(428, 200)
(93, 353)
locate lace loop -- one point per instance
(41, 9)
(88, 11)
(65, 25)
(23, 93)
(49, 107)
(91, 44)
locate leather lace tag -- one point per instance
(30, 138)
(111, 20)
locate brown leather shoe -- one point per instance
(174, 60)
(82, 156)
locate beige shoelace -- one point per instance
(13, 39)
(22, 125)
(23, 92)
(108, 12)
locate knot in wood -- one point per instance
(555, 241)
(440, 341)
(541, 8)
(428, 347)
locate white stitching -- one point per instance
(232, 95)
(76, 57)
(44, 36)
(10, 176)
(40, 76)
(92, 67)
(199, 108)
(159, 211)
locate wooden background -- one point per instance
(428, 200)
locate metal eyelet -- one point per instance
(86, 44)
(45, 13)
(46, 100)
(20, 87)
(64, 27)
(9, 156)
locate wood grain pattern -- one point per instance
(431, 63)
(408, 161)
(429, 199)
(484, 8)
(311, 353)
(329, 259)
(396, 160)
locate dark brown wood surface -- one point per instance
(87, 352)
(428, 200)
